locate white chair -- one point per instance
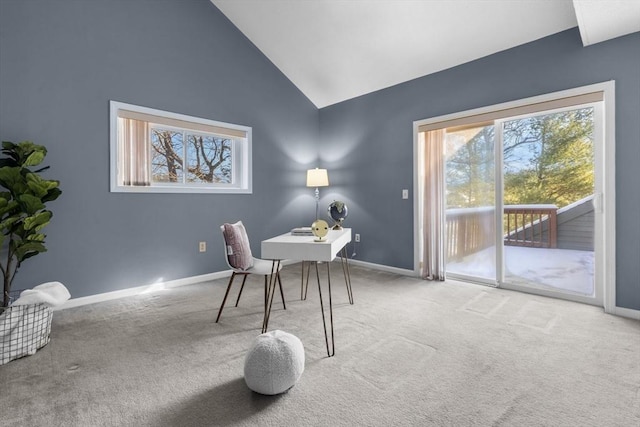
(240, 260)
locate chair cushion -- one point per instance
(237, 244)
(262, 267)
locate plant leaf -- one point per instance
(30, 204)
(26, 249)
(7, 223)
(8, 162)
(37, 221)
(11, 206)
(12, 179)
(52, 194)
(39, 186)
(35, 158)
(8, 145)
(37, 237)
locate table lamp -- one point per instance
(317, 178)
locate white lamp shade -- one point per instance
(317, 178)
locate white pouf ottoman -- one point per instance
(274, 363)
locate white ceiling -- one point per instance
(334, 50)
(601, 20)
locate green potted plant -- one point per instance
(23, 212)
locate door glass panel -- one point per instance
(470, 202)
(548, 226)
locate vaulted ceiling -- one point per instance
(334, 50)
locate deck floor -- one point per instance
(562, 270)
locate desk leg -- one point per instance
(324, 322)
(304, 284)
(347, 273)
(271, 290)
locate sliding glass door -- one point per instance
(549, 179)
(519, 201)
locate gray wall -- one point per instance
(60, 64)
(367, 142)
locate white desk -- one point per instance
(305, 248)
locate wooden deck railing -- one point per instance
(470, 230)
(534, 226)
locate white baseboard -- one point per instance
(108, 296)
(381, 267)
(123, 293)
(626, 312)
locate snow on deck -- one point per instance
(558, 269)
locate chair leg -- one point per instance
(281, 292)
(226, 294)
(244, 279)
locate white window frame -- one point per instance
(241, 152)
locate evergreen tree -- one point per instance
(548, 159)
(557, 166)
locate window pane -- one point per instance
(549, 158)
(209, 159)
(166, 155)
(549, 219)
(470, 180)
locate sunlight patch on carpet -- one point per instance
(485, 304)
(385, 369)
(537, 316)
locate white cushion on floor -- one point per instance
(274, 363)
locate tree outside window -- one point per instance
(208, 158)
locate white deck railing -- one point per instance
(470, 230)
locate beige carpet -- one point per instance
(409, 352)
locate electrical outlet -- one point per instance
(202, 247)
(357, 237)
(405, 194)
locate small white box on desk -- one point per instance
(302, 231)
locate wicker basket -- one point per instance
(23, 329)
